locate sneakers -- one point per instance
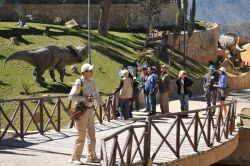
(75, 162)
(95, 160)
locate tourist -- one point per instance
(142, 80)
(84, 92)
(164, 88)
(150, 91)
(126, 90)
(210, 79)
(222, 88)
(184, 84)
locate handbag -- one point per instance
(77, 111)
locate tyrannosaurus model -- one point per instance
(50, 57)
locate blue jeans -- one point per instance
(150, 100)
(184, 102)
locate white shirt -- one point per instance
(89, 88)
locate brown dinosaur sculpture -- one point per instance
(51, 57)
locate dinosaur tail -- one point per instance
(20, 55)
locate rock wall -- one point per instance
(241, 155)
(122, 16)
(240, 82)
(201, 46)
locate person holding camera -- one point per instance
(183, 84)
(84, 93)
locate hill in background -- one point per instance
(232, 15)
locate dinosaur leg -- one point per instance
(52, 75)
(61, 71)
(38, 72)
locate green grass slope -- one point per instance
(108, 53)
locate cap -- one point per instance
(124, 66)
(124, 73)
(86, 66)
(164, 66)
(212, 67)
(145, 66)
(223, 69)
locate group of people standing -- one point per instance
(84, 92)
(216, 86)
(149, 83)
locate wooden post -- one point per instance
(21, 120)
(146, 150)
(178, 125)
(219, 126)
(59, 115)
(210, 116)
(129, 150)
(196, 132)
(41, 116)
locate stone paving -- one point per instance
(55, 148)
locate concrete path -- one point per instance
(55, 148)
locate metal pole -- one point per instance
(89, 47)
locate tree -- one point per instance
(150, 8)
(191, 22)
(103, 25)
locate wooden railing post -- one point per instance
(147, 135)
(41, 116)
(210, 116)
(196, 132)
(59, 115)
(21, 120)
(227, 120)
(113, 157)
(218, 138)
(101, 118)
(129, 150)
(178, 125)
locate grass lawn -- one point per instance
(108, 54)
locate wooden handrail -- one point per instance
(209, 130)
(53, 115)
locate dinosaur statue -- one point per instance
(18, 9)
(230, 44)
(51, 57)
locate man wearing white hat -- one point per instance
(84, 92)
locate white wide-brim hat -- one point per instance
(86, 66)
(223, 69)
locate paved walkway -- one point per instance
(55, 148)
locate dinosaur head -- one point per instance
(82, 53)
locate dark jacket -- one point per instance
(164, 83)
(210, 80)
(187, 84)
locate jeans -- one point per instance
(151, 102)
(124, 108)
(184, 102)
(211, 96)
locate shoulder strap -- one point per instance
(81, 88)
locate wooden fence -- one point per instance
(43, 113)
(193, 131)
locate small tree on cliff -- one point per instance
(103, 25)
(150, 8)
